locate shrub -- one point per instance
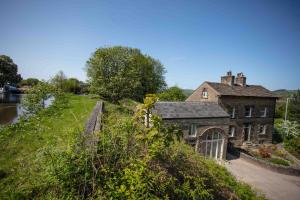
(280, 153)
(263, 152)
(293, 146)
(279, 161)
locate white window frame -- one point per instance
(250, 112)
(232, 114)
(264, 129)
(265, 112)
(232, 131)
(193, 130)
(204, 93)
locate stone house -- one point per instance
(251, 108)
(222, 114)
(204, 124)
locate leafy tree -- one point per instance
(35, 99)
(122, 72)
(36, 96)
(29, 82)
(73, 85)
(290, 129)
(60, 80)
(294, 107)
(8, 71)
(172, 94)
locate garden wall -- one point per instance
(276, 168)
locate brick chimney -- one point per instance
(240, 79)
(228, 79)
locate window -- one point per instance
(262, 129)
(205, 93)
(193, 130)
(231, 131)
(232, 112)
(248, 111)
(263, 112)
(247, 132)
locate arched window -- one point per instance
(211, 143)
(204, 93)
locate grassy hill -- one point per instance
(284, 94)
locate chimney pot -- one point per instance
(240, 79)
(228, 79)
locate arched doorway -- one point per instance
(211, 143)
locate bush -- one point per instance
(279, 161)
(263, 152)
(293, 146)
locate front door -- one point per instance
(211, 144)
(247, 132)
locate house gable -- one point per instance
(212, 94)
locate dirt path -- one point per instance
(273, 185)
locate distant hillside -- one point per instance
(284, 93)
(187, 92)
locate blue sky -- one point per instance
(195, 40)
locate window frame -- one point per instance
(265, 110)
(193, 130)
(250, 111)
(232, 114)
(264, 130)
(231, 131)
(204, 93)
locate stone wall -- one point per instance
(93, 125)
(202, 124)
(255, 120)
(288, 170)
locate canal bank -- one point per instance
(11, 107)
(21, 145)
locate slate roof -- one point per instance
(184, 110)
(236, 90)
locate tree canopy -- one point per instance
(172, 94)
(8, 71)
(61, 81)
(29, 82)
(122, 72)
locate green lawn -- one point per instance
(21, 144)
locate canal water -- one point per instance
(11, 109)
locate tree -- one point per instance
(60, 80)
(72, 85)
(294, 107)
(172, 94)
(122, 72)
(8, 71)
(35, 99)
(29, 82)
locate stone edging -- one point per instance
(276, 168)
(93, 124)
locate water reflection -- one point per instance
(11, 109)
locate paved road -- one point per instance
(273, 185)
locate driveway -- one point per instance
(273, 185)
